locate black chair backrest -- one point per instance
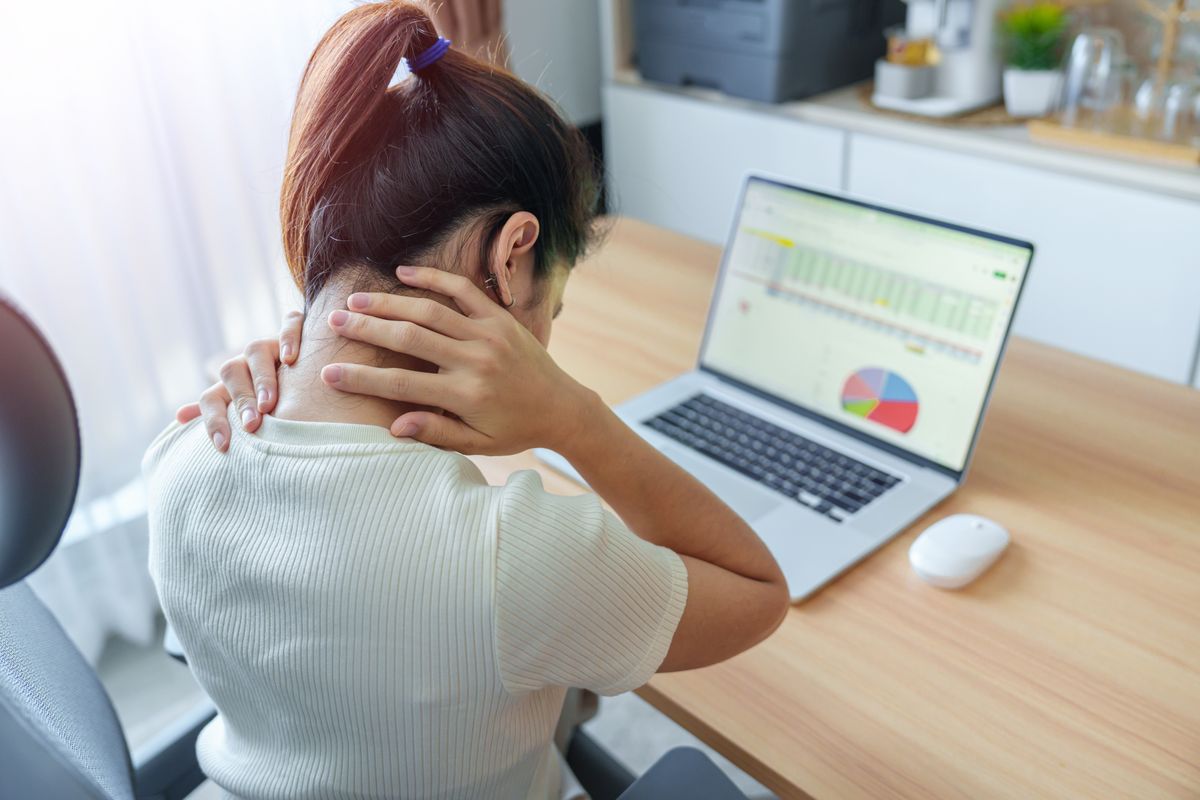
(39, 447)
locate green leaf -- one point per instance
(1034, 34)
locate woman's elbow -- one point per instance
(769, 610)
(778, 603)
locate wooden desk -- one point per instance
(1071, 670)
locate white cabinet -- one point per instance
(678, 162)
(1117, 271)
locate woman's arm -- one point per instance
(507, 395)
(737, 595)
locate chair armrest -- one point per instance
(597, 771)
(165, 768)
(684, 773)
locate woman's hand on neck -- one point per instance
(303, 394)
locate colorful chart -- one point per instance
(881, 396)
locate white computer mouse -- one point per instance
(956, 550)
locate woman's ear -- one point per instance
(513, 258)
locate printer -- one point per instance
(768, 50)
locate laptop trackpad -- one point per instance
(748, 501)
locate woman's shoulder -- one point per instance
(279, 447)
(526, 508)
(165, 442)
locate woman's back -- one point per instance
(372, 619)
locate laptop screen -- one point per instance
(888, 324)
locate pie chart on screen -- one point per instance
(881, 396)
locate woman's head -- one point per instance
(461, 165)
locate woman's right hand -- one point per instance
(249, 381)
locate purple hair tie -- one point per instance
(429, 57)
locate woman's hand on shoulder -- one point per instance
(248, 381)
(503, 391)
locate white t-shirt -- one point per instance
(372, 619)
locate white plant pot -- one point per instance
(1031, 92)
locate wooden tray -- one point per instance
(1049, 130)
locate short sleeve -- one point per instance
(580, 600)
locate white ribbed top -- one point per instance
(372, 619)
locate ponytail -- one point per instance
(343, 96)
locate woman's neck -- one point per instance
(305, 397)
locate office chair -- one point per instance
(59, 735)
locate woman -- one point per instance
(370, 617)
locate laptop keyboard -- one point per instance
(827, 481)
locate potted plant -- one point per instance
(1034, 34)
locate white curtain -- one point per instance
(141, 152)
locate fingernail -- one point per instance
(406, 272)
(286, 352)
(359, 301)
(264, 397)
(406, 430)
(248, 416)
(339, 318)
(219, 440)
(332, 373)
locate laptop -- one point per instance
(845, 370)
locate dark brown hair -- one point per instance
(378, 176)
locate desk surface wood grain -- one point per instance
(1071, 669)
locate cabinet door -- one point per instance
(1117, 270)
(679, 162)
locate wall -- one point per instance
(555, 44)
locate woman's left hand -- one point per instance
(248, 381)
